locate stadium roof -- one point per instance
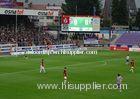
(51, 2)
(59, 2)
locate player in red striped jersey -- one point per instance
(65, 74)
(42, 66)
(132, 65)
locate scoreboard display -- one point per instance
(81, 24)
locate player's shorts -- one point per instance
(132, 67)
(127, 60)
(65, 77)
(119, 85)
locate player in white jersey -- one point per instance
(119, 81)
(127, 59)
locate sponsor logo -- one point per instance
(14, 12)
(65, 20)
(114, 48)
(134, 49)
(50, 13)
(7, 11)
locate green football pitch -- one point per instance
(19, 76)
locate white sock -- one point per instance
(44, 70)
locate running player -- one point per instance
(65, 74)
(127, 59)
(119, 81)
(42, 66)
(132, 65)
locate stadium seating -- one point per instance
(129, 38)
(26, 33)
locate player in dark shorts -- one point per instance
(132, 65)
(65, 74)
(42, 66)
(127, 59)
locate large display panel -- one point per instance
(80, 23)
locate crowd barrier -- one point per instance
(15, 50)
(124, 48)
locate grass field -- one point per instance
(19, 76)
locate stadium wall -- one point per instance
(9, 50)
(124, 48)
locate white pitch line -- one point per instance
(56, 67)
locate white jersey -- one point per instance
(127, 57)
(119, 79)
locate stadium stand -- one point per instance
(129, 38)
(25, 35)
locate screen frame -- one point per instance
(79, 16)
